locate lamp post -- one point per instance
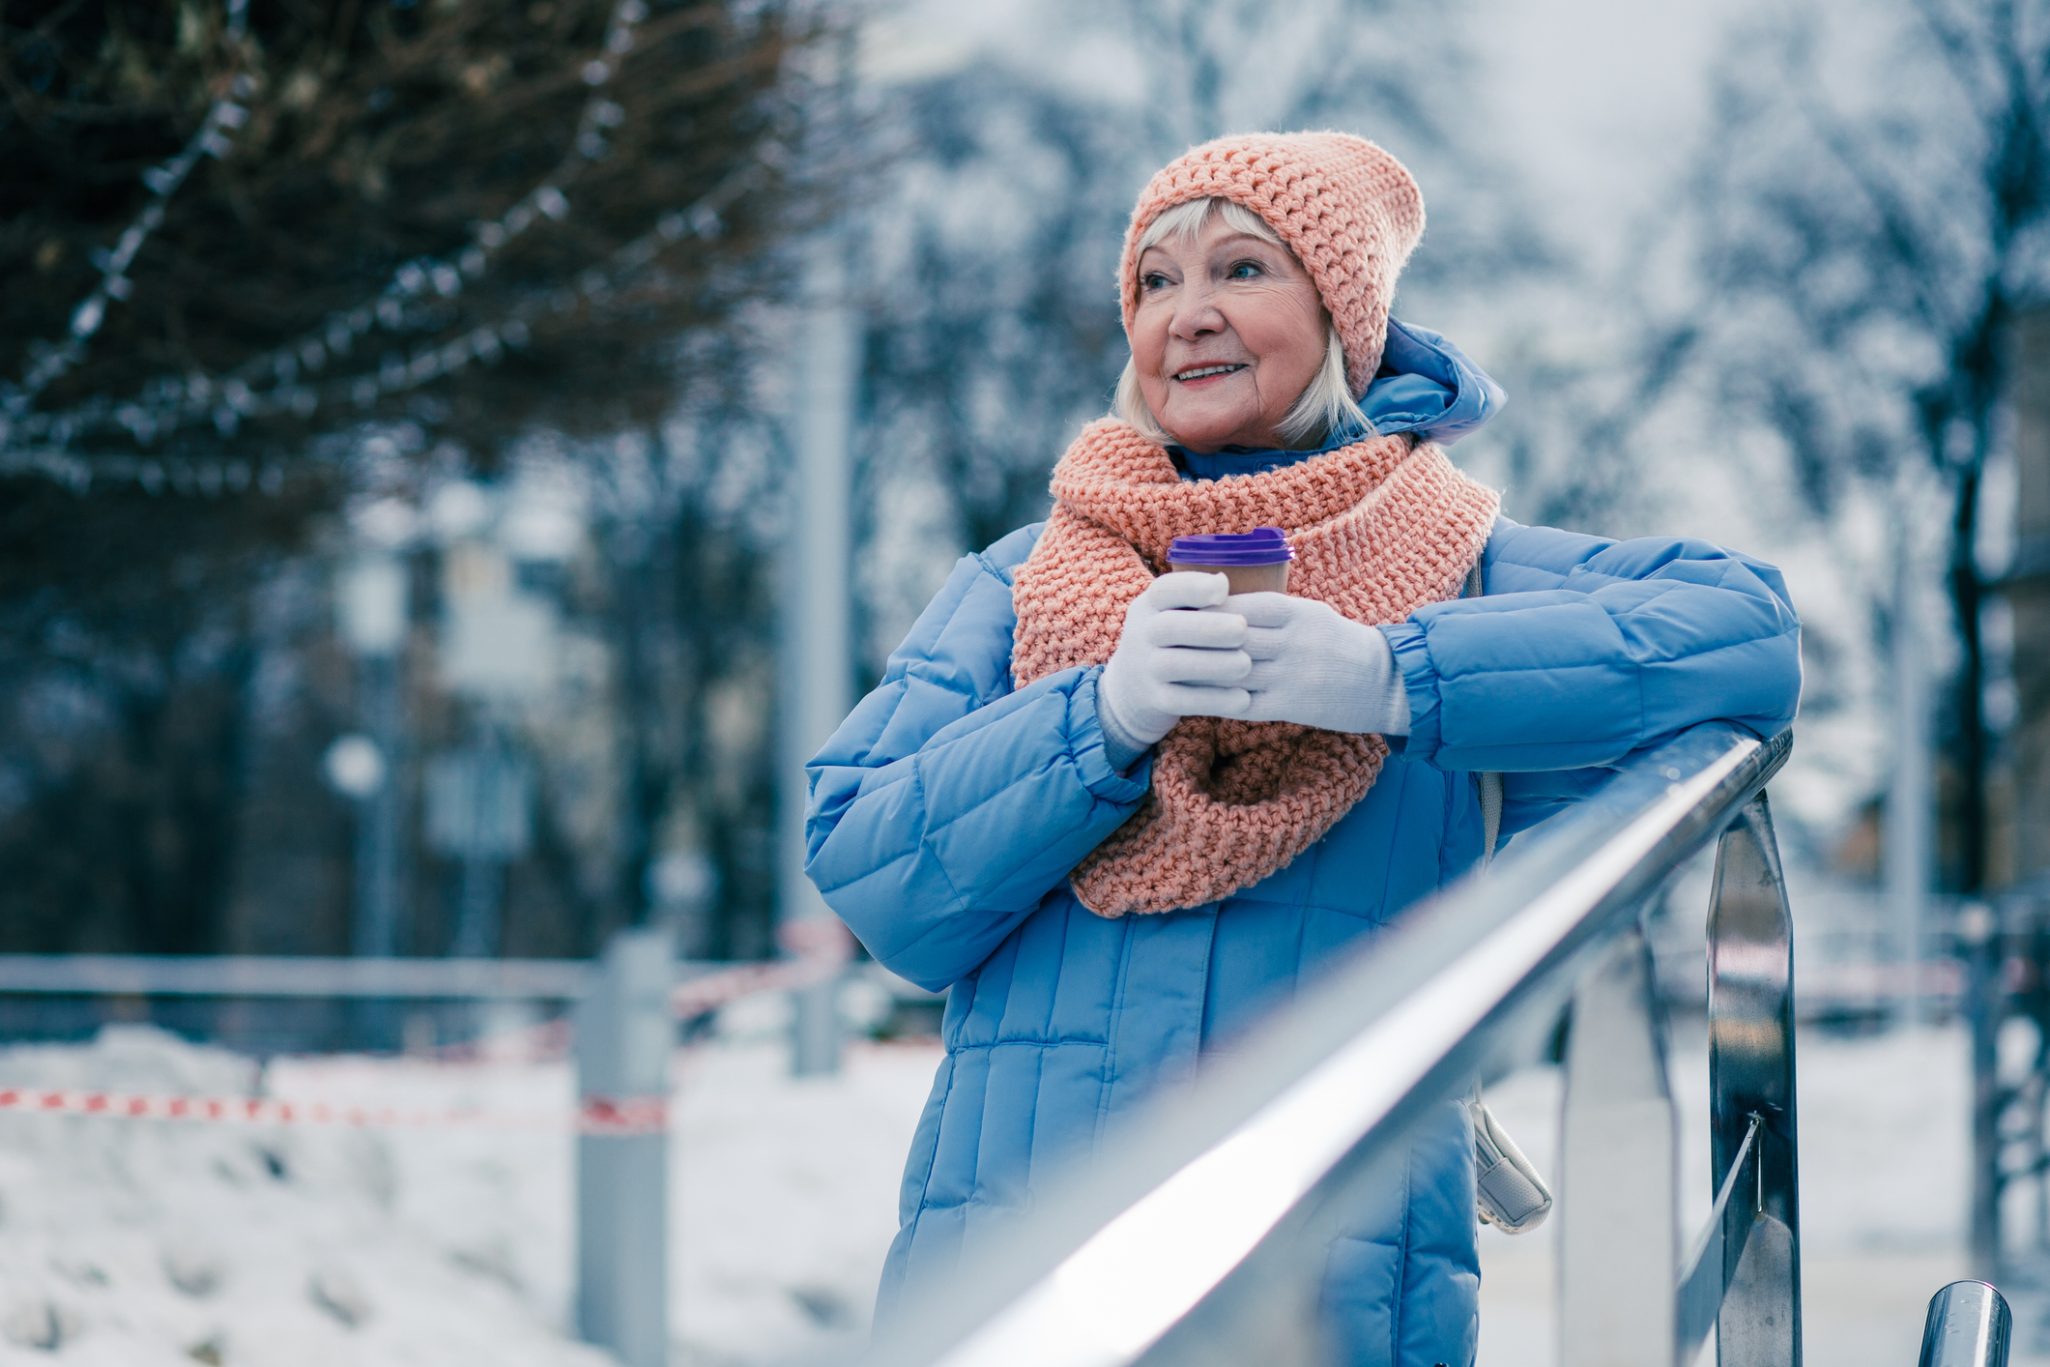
(371, 607)
(372, 604)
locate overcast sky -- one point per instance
(1608, 95)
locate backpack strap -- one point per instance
(1509, 1192)
(1491, 814)
(1490, 783)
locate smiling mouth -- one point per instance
(1205, 372)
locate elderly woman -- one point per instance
(1118, 813)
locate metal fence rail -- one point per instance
(157, 975)
(1201, 1240)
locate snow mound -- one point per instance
(137, 1242)
(132, 1243)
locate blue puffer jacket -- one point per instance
(948, 809)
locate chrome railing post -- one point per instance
(1751, 1072)
(1969, 1325)
(1618, 1178)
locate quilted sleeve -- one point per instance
(947, 805)
(1634, 641)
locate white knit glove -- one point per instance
(1316, 667)
(1179, 655)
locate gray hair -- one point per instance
(1324, 408)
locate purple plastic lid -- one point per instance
(1261, 546)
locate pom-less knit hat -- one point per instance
(1350, 212)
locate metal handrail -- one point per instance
(1214, 1199)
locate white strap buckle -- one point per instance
(1508, 1191)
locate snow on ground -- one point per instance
(145, 1242)
(134, 1243)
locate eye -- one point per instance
(1245, 270)
(1151, 280)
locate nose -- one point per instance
(1195, 312)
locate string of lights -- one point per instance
(50, 361)
(151, 474)
(277, 380)
(396, 373)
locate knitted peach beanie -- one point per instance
(1350, 212)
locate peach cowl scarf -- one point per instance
(1379, 529)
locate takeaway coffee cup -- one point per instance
(1251, 562)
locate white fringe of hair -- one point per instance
(1325, 406)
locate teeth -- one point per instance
(1208, 370)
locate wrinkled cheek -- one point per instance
(1156, 399)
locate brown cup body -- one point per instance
(1243, 578)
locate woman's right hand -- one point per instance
(1181, 654)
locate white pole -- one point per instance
(817, 603)
(625, 1032)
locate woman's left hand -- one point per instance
(1315, 667)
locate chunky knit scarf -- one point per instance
(1379, 528)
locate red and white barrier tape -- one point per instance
(597, 1115)
(820, 948)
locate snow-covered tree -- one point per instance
(1863, 244)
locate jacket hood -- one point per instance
(1429, 386)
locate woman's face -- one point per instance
(1228, 334)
